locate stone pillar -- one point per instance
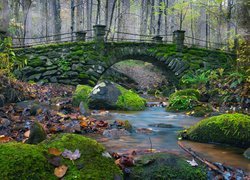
(99, 32)
(3, 35)
(178, 39)
(81, 35)
(157, 39)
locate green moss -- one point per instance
(128, 126)
(129, 100)
(94, 165)
(35, 62)
(24, 161)
(186, 92)
(232, 129)
(201, 111)
(81, 94)
(165, 166)
(83, 76)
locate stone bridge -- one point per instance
(85, 62)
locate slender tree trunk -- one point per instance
(97, 21)
(159, 19)
(111, 18)
(57, 18)
(166, 20)
(152, 18)
(46, 20)
(192, 23)
(79, 15)
(72, 15)
(106, 13)
(4, 18)
(26, 9)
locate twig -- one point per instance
(151, 146)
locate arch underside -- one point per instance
(171, 67)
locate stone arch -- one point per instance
(172, 66)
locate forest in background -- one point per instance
(208, 20)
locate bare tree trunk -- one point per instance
(192, 26)
(159, 19)
(4, 18)
(97, 21)
(152, 18)
(79, 15)
(46, 20)
(26, 9)
(106, 12)
(166, 19)
(229, 17)
(56, 18)
(89, 15)
(111, 18)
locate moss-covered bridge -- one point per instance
(85, 62)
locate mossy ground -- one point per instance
(165, 166)
(24, 161)
(129, 100)
(81, 94)
(231, 129)
(94, 165)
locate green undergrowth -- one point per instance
(128, 100)
(231, 129)
(183, 100)
(165, 166)
(81, 94)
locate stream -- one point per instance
(165, 139)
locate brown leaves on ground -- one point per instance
(60, 171)
(54, 151)
(5, 139)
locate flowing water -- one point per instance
(165, 139)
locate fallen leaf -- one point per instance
(84, 124)
(27, 134)
(54, 151)
(70, 155)
(4, 139)
(60, 171)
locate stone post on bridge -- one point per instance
(157, 39)
(81, 35)
(178, 39)
(99, 31)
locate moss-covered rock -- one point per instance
(81, 94)
(24, 161)
(109, 95)
(201, 110)
(91, 164)
(129, 100)
(231, 129)
(165, 166)
(247, 153)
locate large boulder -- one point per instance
(231, 129)
(109, 95)
(165, 166)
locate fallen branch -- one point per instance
(225, 171)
